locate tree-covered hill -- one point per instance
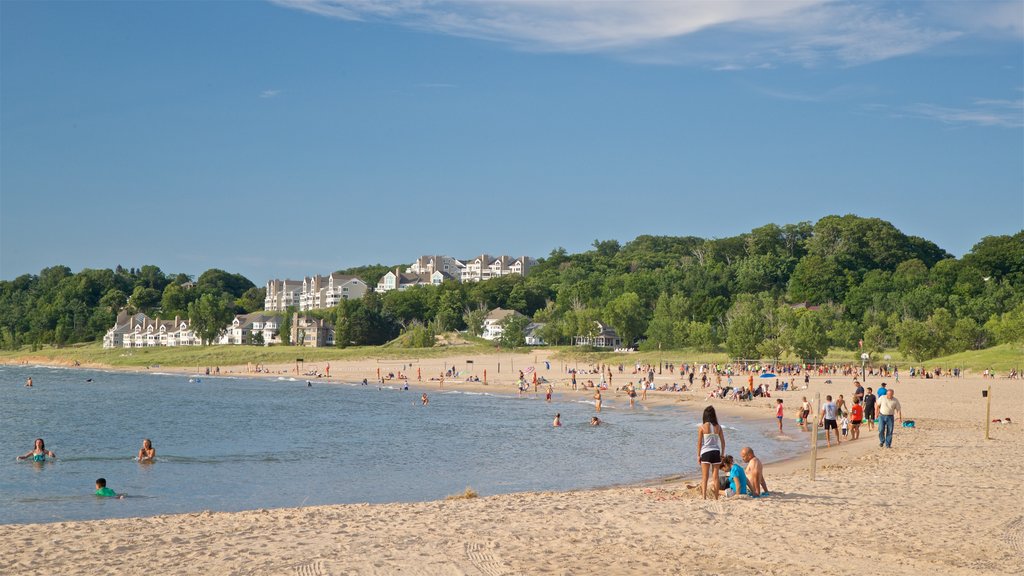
(796, 288)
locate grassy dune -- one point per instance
(1001, 358)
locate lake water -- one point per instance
(232, 444)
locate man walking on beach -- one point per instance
(869, 409)
(828, 420)
(888, 408)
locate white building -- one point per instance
(395, 280)
(141, 331)
(492, 329)
(437, 263)
(532, 336)
(282, 294)
(606, 337)
(485, 267)
(313, 292)
(245, 326)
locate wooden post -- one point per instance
(814, 435)
(988, 411)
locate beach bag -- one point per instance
(908, 424)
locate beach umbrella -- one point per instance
(768, 375)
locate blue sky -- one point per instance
(278, 139)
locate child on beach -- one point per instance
(737, 477)
(102, 490)
(845, 424)
(778, 413)
(39, 453)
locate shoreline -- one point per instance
(891, 508)
(505, 383)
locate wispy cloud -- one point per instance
(723, 35)
(981, 112)
(269, 93)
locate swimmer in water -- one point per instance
(28, 383)
(558, 420)
(424, 399)
(102, 490)
(595, 421)
(147, 453)
(39, 453)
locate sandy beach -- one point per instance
(942, 499)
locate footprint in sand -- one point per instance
(1012, 534)
(484, 561)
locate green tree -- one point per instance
(209, 316)
(810, 340)
(512, 327)
(251, 300)
(474, 319)
(627, 315)
(661, 330)
(745, 328)
(144, 299)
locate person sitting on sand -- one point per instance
(102, 490)
(737, 478)
(147, 453)
(755, 472)
(558, 420)
(39, 453)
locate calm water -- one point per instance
(234, 444)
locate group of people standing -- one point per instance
(867, 407)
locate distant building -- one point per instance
(437, 263)
(319, 292)
(313, 292)
(531, 334)
(492, 329)
(282, 294)
(395, 280)
(245, 327)
(606, 337)
(311, 332)
(485, 267)
(141, 331)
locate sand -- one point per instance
(942, 500)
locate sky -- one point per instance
(296, 137)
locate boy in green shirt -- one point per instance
(102, 490)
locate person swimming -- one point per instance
(595, 421)
(558, 420)
(39, 453)
(147, 453)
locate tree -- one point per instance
(745, 326)
(286, 327)
(143, 299)
(627, 316)
(810, 339)
(512, 327)
(661, 330)
(252, 300)
(474, 319)
(209, 316)
(174, 301)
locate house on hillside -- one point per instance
(141, 331)
(485, 267)
(311, 332)
(492, 329)
(531, 334)
(605, 337)
(319, 292)
(282, 294)
(436, 263)
(245, 327)
(395, 280)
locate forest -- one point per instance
(842, 282)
